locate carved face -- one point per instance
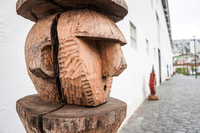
(89, 55)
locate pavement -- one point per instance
(176, 111)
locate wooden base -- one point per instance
(153, 97)
(38, 116)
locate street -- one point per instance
(176, 111)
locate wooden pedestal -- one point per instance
(151, 97)
(42, 117)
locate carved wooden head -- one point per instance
(72, 57)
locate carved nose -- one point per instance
(101, 29)
(113, 61)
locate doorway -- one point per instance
(167, 71)
(159, 64)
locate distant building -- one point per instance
(192, 47)
(181, 46)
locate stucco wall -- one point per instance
(131, 86)
(14, 80)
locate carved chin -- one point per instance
(84, 91)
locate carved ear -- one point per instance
(40, 60)
(113, 60)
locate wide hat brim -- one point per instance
(35, 10)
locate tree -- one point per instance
(192, 68)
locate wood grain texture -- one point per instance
(90, 24)
(34, 10)
(106, 118)
(38, 116)
(81, 73)
(113, 61)
(153, 97)
(39, 60)
(31, 109)
(89, 55)
(85, 54)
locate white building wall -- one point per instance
(14, 80)
(131, 86)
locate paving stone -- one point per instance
(198, 129)
(148, 132)
(183, 124)
(179, 132)
(168, 131)
(163, 128)
(195, 126)
(157, 130)
(177, 110)
(189, 127)
(172, 128)
(182, 129)
(191, 131)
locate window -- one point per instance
(133, 36)
(158, 28)
(152, 3)
(147, 46)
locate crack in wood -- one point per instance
(41, 118)
(38, 116)
(55, 42)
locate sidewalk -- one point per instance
(176, 111)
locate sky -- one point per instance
(185, 18)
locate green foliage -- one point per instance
(192, 68)
(181, 70)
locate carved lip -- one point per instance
(34, 10)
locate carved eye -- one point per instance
(40, 60)
(47, 58)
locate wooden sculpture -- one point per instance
(72, 53)
(152, 85)
(71, 57)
